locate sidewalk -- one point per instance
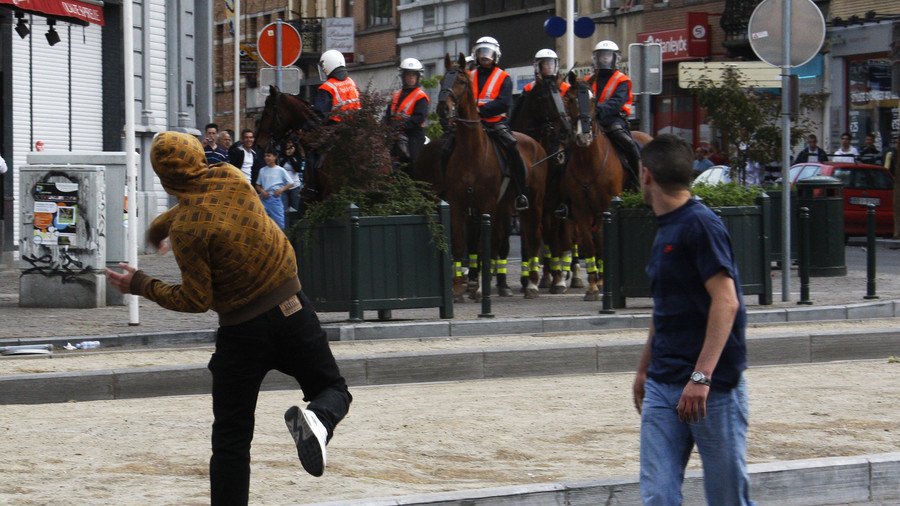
(24, 323)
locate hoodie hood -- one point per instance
(179, 161)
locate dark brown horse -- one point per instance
(475, 184)
(540, 114)
(285, 115)
(593, 177)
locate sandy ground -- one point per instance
(423, 437)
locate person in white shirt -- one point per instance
(845, 153)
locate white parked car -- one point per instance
(717, 174)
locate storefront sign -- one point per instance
(72, 9)
(688, 43)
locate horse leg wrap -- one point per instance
(591, 264)
(457, 269)
(535, 264)
(554, 264)
(566, 262)
(500, 266)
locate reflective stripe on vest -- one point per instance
(563, 87)
(405, 108)
(490, 92)
(614, 81)
(344, 95)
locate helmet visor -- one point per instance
(547, 67)
(322, 75)
(485, 52)
(604, 59)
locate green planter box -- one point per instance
(365, 263)
(629, 235)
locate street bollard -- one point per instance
(356, 312)
(870, 253)
(607, 266)
(803, 258)
(485, 269)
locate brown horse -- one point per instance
(475, 184)
(593, 177)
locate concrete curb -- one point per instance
(432, 366)
(469, 328)
(836, 480)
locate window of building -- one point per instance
(379, 12)
(874, 109)
(428, 16)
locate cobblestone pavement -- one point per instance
(19, 322)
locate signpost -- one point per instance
(786, 33)
(645, 69)
(279, 46)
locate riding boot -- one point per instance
(310, 180)
(519, 176)
(403, 148)
(632, 153)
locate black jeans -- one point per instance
(295, 345)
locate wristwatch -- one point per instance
(700, 378)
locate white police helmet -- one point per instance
(546, 63)
(329, 61)
(605, 55)
(489, 47)
(412, 65)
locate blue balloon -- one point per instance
(584, 27)
(555, 26)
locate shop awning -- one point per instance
(72, 11)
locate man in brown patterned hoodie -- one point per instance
(236, 261)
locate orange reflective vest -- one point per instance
(614, 81)
(404, 109)
(344, 95)
(490, 92)
(563, 87)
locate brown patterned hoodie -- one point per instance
(233, 258)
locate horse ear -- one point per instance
(273, 90)
(461, 61)
(447, 62)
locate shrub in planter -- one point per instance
(744, 211)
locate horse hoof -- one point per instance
(545, 281)
(531, 293)
(504, 291)
(577, 283)
(558, 289)
(592, 296)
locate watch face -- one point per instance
(697, 376)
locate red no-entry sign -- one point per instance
(290, 44)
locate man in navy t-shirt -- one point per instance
(689, 387)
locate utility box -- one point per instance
(114, 214)
(62, 241)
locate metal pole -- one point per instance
(608, 266)
(278, 78)
(645, 93)
(570, 34)
(786, 149)
(803, 259)
(237, 68)
(870, 252)
(485, 267)
(134, 317)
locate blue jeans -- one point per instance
(275, 209)
(721, 438)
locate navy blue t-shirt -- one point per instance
(691, 246)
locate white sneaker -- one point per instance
(309, 435)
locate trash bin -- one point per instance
(824, 197)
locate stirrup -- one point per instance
(561, 212)
(521, 203)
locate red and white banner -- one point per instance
(688, 43)
(72, 9)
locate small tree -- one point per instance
(748, 119)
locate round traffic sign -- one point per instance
(290, 44)
(765, 32)
(584, 27)
(555, 26)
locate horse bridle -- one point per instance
(447, 91)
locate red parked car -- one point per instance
(863, 184)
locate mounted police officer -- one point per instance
(614, 100)
(408, 110)
(493, 90)
(337, 94)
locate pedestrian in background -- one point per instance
(214, 152)
(272, 182)
(845, 153)
(812, 152)
(235, 261)
(870, 152)
(701, 161)
(226, 139)
(689, 387)
(294, 162)
(247, 156)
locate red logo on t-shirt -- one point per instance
(668, 248)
